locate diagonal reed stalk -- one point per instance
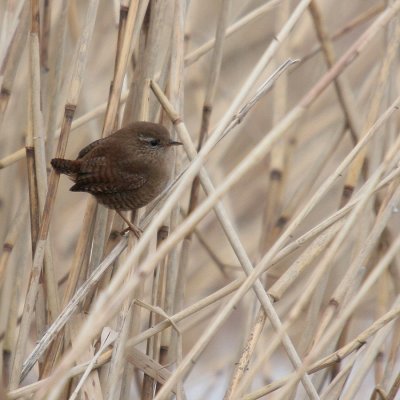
(269, 266)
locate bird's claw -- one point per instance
(134, 229)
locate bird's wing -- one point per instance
(102, 173)
(95, 185)
(91, 146)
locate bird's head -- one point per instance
(151, 137)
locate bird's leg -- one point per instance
(131, 227)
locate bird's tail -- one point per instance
(68, 167)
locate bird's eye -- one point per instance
(154, 142)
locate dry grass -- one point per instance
(270, 266)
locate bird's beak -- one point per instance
(173, 143)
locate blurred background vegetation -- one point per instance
(311, 197)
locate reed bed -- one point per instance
(269, 267)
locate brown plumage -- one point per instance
(125, 170)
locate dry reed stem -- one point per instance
(87, 287)
(192, 57)
(153, 345)
(127, 24)
(89, 383)
(318, 88)
(279, 154)
(381, 220)
(231, 234)
(122, 58)
(125, 36)
(55, 79)
(319, 272)
(36, 175)
(338, 324)
(134, 356)
(361, 41)
(340, 354)
(342, 85)
(296, 270)
(352, 24)
(277, 177)
(78, 266)
(36, 140)
(8, 277)
(169, 352)
(323, 189)
(10, 239)
(211, 87)
(76, 82)
(372, 114)
(369, 239)
(334, 389)
(71, 307)
(324, 264)
(242, 22)
(12, 58)
(367, 359)
(94, 385)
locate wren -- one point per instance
(123, 171)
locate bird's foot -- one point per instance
(132, 228)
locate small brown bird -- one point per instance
(124, 171)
